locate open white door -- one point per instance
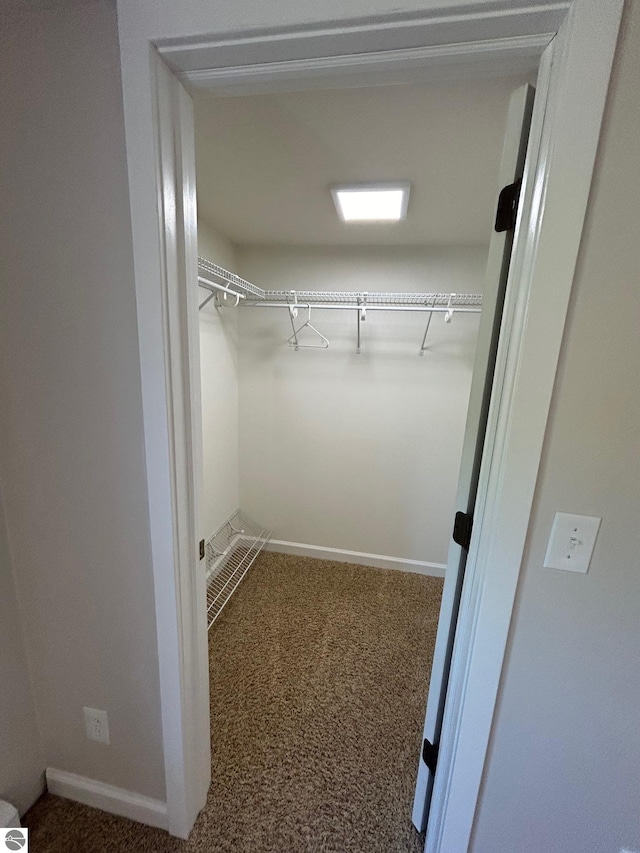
(511, 169)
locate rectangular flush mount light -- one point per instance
(371, 202)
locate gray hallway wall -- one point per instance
(21, 758)
(563, 773)
(71, 443)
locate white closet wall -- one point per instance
(356, 452)
(219, 377)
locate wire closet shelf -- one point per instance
(357, 299)
(362, 302)
(229, 554)
(220, 282)
(228, 284)
(217, 280)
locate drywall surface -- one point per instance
(265, 162)
(563, 768)
(166, 19)
(356, 452)
(21, 758)
(219, 378)
(71, 450)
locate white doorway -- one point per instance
(349, 447)
(525, 373)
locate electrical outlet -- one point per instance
(96, 725)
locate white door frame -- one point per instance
(158, 119)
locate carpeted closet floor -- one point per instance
(319, 675)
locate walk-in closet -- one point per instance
(336, 360)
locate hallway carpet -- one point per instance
(319, 675)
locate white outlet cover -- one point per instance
(96, 724)
(571, 542)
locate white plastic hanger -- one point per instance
(293, 340)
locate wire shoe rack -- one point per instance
(229, 554)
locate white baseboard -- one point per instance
(377, 561)
(107, 797)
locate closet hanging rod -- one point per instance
(213, 285)
(326, 306)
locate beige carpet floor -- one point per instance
(319, 675)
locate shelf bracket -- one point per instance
(423, 345)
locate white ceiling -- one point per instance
(265, 162)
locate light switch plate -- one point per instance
(571, 542)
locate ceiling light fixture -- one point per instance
(385, 202)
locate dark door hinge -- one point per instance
(508, 207)
(462, 527)
(202, 549)
(430, 755)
